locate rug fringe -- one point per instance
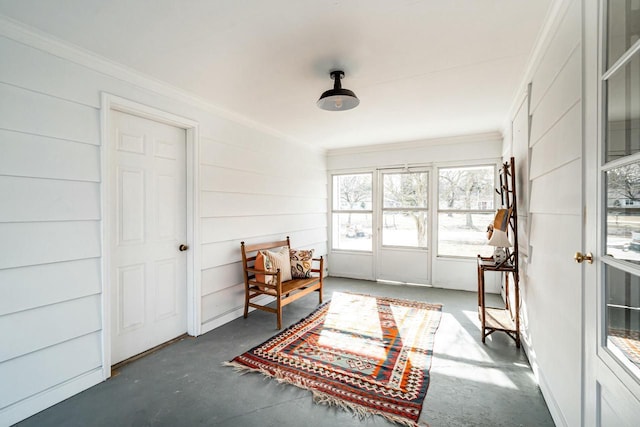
(243, 369)
(323, 398)
(239, 367)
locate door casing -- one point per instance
(110, 103)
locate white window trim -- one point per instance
(332, 209)
(436, 203)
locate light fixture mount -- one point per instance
(338, 99)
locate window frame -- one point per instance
(427, 209)
(336, 210)
(438, 210)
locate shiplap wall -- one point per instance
(550, 280)
(254, 191)
(254, 186)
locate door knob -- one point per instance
(183, 248)
(579, 257)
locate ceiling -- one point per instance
(421, 68)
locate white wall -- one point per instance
(447, 272)
(550, 280)
(254, 186)
(254, 189)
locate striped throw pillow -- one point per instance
(280, 260)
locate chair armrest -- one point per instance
(278, 276)
(321, 268)
(262, 284)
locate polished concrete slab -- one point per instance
(185, 384)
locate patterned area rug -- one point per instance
(364, 353)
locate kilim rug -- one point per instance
(364, 353)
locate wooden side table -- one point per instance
(498, 319)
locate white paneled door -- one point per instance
(148, 215)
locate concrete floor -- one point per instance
(185, 383)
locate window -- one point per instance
(352, 212)
(623, 212)
(404, 209)
(465, 208)
(621, 167)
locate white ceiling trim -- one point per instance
(462, 139)
(36, 39)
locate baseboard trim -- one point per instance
(343, 275)
(227, 317)
(32, 405)
(547, 395)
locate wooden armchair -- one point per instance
(284, 292)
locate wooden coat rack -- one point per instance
(494, 319)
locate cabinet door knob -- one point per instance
(580, 257)
(183, 247)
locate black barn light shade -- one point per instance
(338, 99)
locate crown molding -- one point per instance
(410, 145)
(47, 43)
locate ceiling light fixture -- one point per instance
(338, 99)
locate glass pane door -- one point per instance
(405, 209)
(403, 249)
(620, 172)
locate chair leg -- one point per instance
(320, 294)
(246, 303)
(279, 313)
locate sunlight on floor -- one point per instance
(357, 314)
(492, 376)
(458, 336)
(354, 323)
(369, 348)
(457, 358)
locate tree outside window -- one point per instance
(352, 212)
(465, 208)
(405, 209)
(623, 212)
